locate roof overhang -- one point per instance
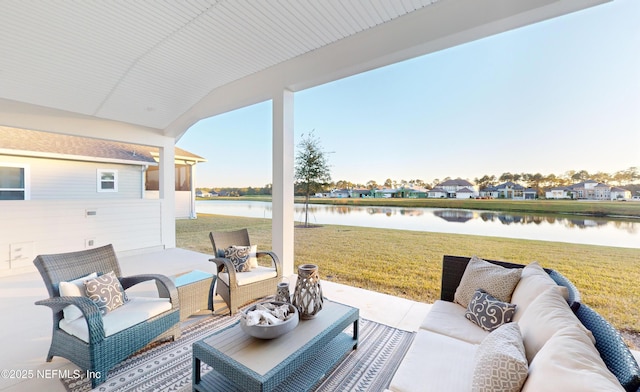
(71, 157)
(143, 71)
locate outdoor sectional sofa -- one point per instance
(551, 342)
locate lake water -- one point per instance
(572, 229)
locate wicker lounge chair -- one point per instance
(101, 352)
(231, 285)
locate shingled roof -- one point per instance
(15, 141)
(456, 182)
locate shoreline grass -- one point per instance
(408, 263)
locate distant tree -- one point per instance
(517, 177)
(603, 177)
(344, 184)
(484, 181)
(371, 184)
(504, 177)
(535, 180)
(388, 183)
(582, 175)
(311, 169)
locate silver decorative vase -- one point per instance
(307, 296)
(282, 292)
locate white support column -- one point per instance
(168, 192)
(283, 178)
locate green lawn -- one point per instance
(408, 263)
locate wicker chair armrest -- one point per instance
(89, 310)
(166, 288)
(221, 263)
(274, 258)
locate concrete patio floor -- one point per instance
(25, 333)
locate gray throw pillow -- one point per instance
(106, 292)
(488, 312)
(239, 256)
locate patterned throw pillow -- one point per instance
(487, 312)
(239, 256)
(494, 279)
(500, 362)
(106, 292)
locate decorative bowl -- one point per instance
(270, 331)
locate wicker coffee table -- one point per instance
(295, 361)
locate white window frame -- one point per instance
(100, 181)
(27, 179)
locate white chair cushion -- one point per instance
(137, 310)
(74, 288)
(447, 318)
(255, 275)
(435, 362)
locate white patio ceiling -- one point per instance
(161, 66)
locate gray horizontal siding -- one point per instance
(63, 179)
(53, 226)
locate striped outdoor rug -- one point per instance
(167, 366)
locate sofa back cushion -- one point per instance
(533, 282)
(569, 362)
(494, 279)
(545, 316)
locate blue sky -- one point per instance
(560, 95)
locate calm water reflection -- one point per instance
(572, 229)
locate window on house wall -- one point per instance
(14, 182)
(107, 180)
(183, 178)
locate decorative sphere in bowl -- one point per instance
(267, 330)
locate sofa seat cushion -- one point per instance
(255, 275)
(447, 318)
(569, 362)
(435, 362)
(137, 310)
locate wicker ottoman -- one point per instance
(195, 289)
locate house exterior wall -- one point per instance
(32, 227)
(437, 195)
(183, 202)
(557, 194)
(65, 179)
(464, 195)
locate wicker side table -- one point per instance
(195, 290)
